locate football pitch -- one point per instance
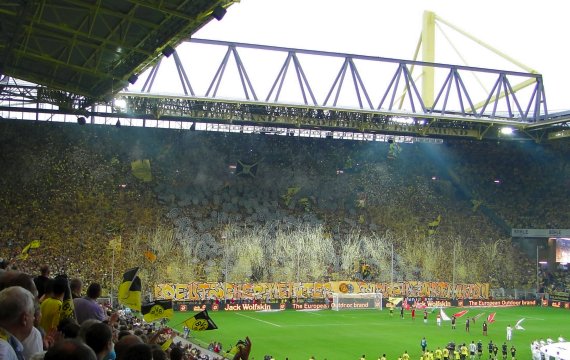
(346, 335)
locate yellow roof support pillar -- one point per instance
(428, 55)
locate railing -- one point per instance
(514, 294)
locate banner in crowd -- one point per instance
(559, 296)
(542, 233)
(325, 304)
(317, 290)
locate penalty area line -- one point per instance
(263, 321)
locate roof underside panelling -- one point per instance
(92, 47)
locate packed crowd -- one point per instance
(555, 281)
(35, 323)
(76, 200)
(525, 183)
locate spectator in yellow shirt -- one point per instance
(51, 306)
(438, 354)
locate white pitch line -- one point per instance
(350, 317)
(263, 321)
(324, 325)
(312, 313)
(531, 318)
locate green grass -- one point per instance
(346, 335)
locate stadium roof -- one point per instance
(93, 47)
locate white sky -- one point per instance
(533, 33)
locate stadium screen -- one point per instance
(562, 250)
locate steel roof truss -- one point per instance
(453, 77)
(244, 78)
(410, 88)
(357, 82)
(182, 74)
(302, 80)
(281, 78)
(502, 83)
(151, 77)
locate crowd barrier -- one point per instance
(320, 304)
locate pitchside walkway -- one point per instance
(195, 343)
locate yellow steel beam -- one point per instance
(487, 46)
(465, 62)
(97, 9)
(8, 12)
(56, 62)
(428, 34)
(416, 53)
(428, 55)
(83, 38)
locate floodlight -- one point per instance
(168, 50)
(120, 103)
(133, 79)
(218, 13)
(507, 130)
(403, 120)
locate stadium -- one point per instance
(207, 228)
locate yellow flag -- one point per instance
(115, 244)
(130, 290)
(200, 322)
(141, 170)
(35, 244)
(432, 226)
(26, 250)
(150, 256)
(166, 344)
(156, 310)
(395, 301)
